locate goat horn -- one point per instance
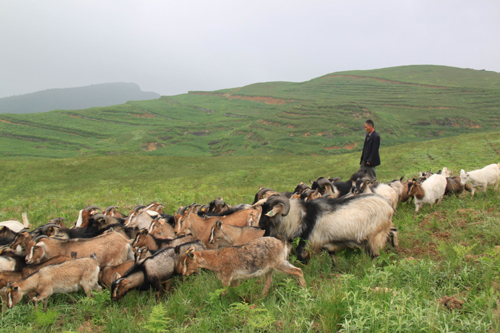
(277, 199)
(89, 208)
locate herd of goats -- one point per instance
(147, 248)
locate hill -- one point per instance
(322, 116)
(105, 94)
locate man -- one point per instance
(370, 157)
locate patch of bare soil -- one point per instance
(418, 107)
(439, 215)
(271, 123)
(9, 122)
(386, 81)
(145, 115)
(267, 100)
(451, 303)
(199, 133)
(294, 114)
(349, 146)
(441, 235)
(151, 146)
(420, 249)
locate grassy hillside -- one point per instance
(323, 116)
(447, 255)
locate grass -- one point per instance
(447, 251)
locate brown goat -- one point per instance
(111, 249)
(13, 276)
(143, 238)
(22, 240)
(200, 227)
(107, 274)
(62, 278)
(222, 235)
(453, 186)
(256, 258)
(159, 227)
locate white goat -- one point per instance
(430, 191)
(487, 176)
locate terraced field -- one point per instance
(322, 116)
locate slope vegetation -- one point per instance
(322, 116)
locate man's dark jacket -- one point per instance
(370, 150)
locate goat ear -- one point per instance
(301, 183)
(190, 253)
(276, 209)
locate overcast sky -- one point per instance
(170, 47)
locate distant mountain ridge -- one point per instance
(96, 95)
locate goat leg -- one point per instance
(267, 282)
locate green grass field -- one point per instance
(447, 253)
(323, 116)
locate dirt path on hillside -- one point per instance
(386, 81)
(267, 100)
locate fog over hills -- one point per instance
(96, 95)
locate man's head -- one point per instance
(369, 126)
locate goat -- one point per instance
(14, 276)
(16, 261)
(21, 241)
(200, 227)
(222, 235)
(263, 193)
(141, 216)
(430, 191)
(150, 272)
(85, 214)
(107, 274)
(62, 278)
(453, 186)
(111, 249)
(258, 257)
(154, 243)
(487, 176)
(397, 185)
(404, 192)
(384, 190)
(7, 236)
(160, 227)
(363, 221)
(301, 188)
(111, 211)
(15, 225)
(7, 264)
(219, 207)
(283, 218)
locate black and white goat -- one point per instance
(363, 221)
